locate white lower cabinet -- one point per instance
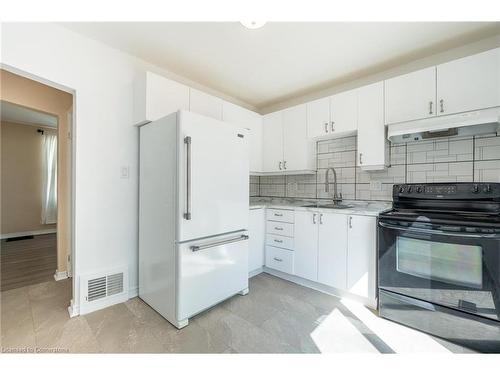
(280, 259)
(306, 245)
(362, 255)
(256, 231)
(332, 250)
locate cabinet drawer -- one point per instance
(279, 241)
(279, 228)
(286, 216)
(279, 259)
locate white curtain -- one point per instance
(49, 179)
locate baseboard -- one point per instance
(133, 292)
(60, 275)
(255, 272)
(73, 310)
(321, 287)
(27, 233)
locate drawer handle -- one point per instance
(278, 228)
(278, 259)
(279, 215)
(278, 241)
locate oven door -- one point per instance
(456, 267)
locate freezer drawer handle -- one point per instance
(187, 214)
(243, 237)
(278, 241)
(278, 259)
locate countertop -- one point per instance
(367, 208)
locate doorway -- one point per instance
(36, 157)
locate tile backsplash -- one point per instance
(464, 159)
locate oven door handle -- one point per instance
(440, 232)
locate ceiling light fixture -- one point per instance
(252, 24)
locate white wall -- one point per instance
(106, 206)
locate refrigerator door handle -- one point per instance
(243, 237)
(187, 214)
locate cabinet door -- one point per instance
(318, 118)
(297, 149)
(205, 104)
(371, 129)
(361, 256)
(272, 130)
(306, 245)
(332, 250)
(253, 122)
(344, 112)
(411, 96)
(256, 231)
(470, 83)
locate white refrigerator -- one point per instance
(193, 214)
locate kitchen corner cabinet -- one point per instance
(372, 144)
(285, 144)
(156, 96)
(361, 256)
(205, 104)
(252, 121)
(256, 229)
(335, 115)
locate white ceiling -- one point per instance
(22, 115)
(280, 60)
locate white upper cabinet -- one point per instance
(318, 118)
(469, 83)
(272, 130)
(306, 245)
(372, 152)
(285, 143)
(344, 112)
(332, 250)
(297, 149)
(462, 85)
(252, 121)
(361, 256)
(332, 115)
(205, 104)
(411, 96)
(156, 96)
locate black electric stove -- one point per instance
(439, 261)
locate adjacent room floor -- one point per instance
(275, 317)
(28, 261)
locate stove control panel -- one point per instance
(459, 190)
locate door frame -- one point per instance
(72, 187)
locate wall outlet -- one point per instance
(375, 186)
(124, 171)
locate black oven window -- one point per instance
(447, 262)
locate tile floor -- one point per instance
(275, 317)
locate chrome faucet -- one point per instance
(337, 198)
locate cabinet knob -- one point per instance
(441, 105)
(331, 126)
(280, 165)
(278, 259)
(350, 222)
(321, 219)
(326, 127)
(430, 108)
(360, 158)
(314, 218)
(284, 164)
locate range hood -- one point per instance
(485, 121)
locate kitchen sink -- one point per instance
(339, 206)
